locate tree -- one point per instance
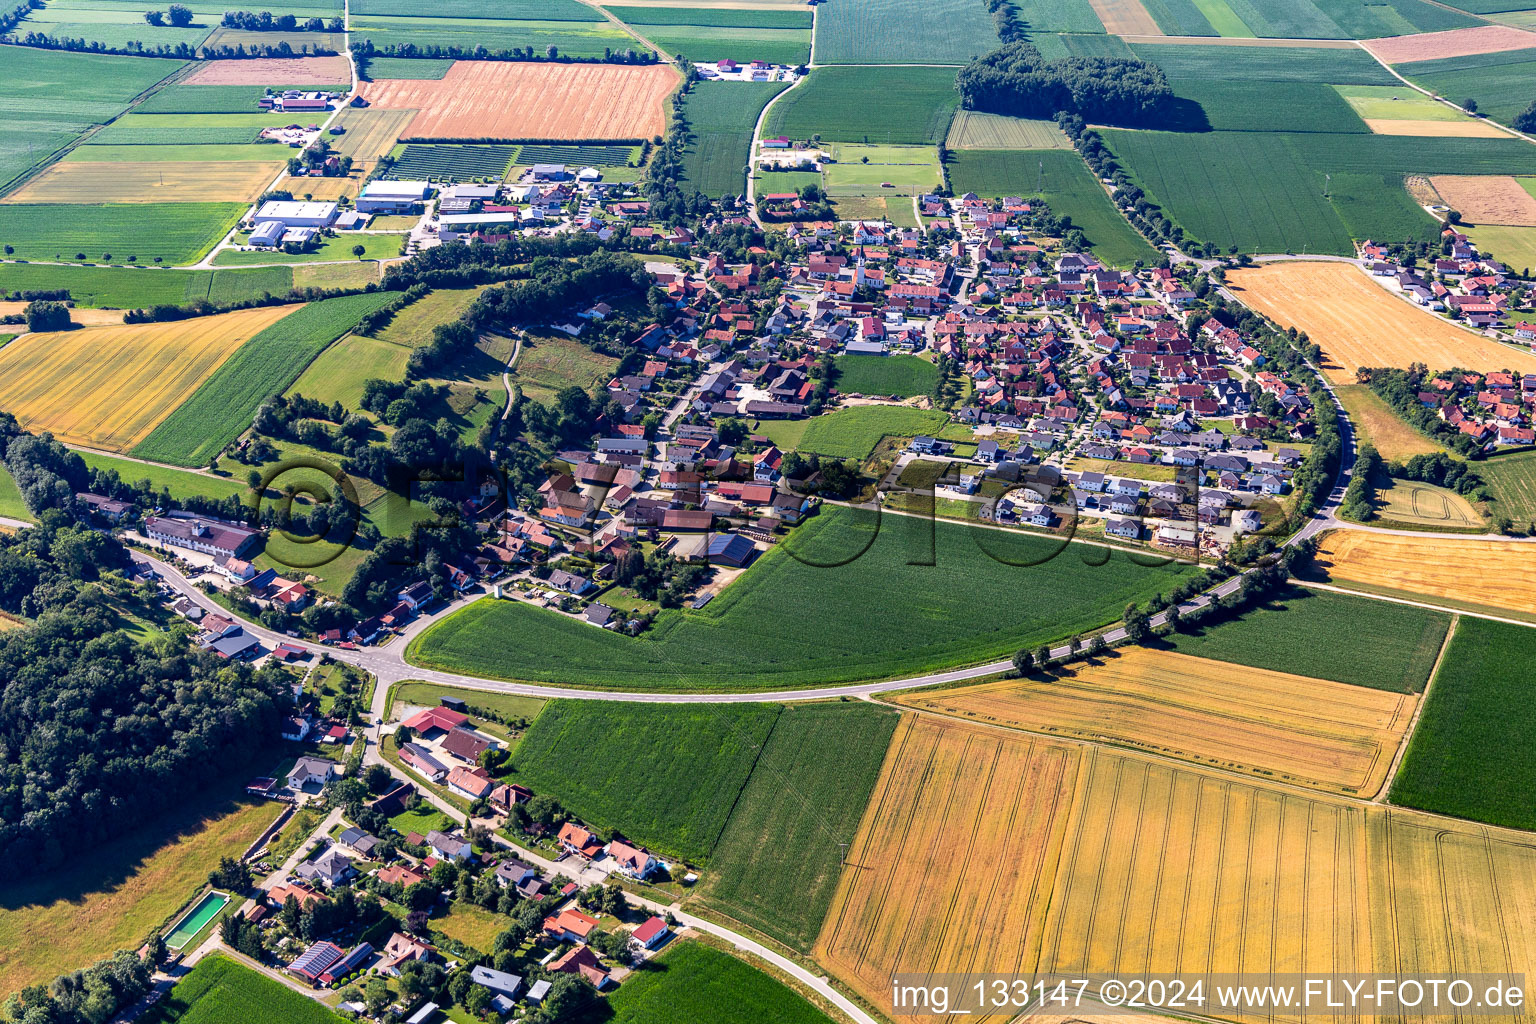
(1469, 105)
(1138, 626)
(1043, 655)
(358, 250)
(1023, 661)
(47, 316)
(1525, 121)
(180, 15)
(156, 18)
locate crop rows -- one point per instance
(452, 163)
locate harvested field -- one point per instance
(1309, 732)
(82, 181)
(1460, 42)
(951, 798)
(83, 316)
(1125, 17)
(286, 71)
(1359, 323)
(108, 387)
(1459, 572)
(371, 133)
(1408, 501)
(1466, 128)
(327, 188)
(498, 100)
(1487, 198)
(973, 129)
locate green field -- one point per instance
(911, 106)
(219, 990)
(903, 32)
(11, 504)
(801, 614)
(181, 484)
(1512, 479)
(1471, 753)
(692, 983)
(49, 97)
(721, 116)
(1263, 192)
(509, 705)
(1329, 636)
(718, 17)
(452, 163)
(853, 433)
(974, 129)
(1500, 82)
(198, 154)
(778, 860)
(169, 130)
(203, 99)
(1395, 103)
(864, 169)
(553, 361)
(376, 246)
(1185, 17)
(902, 376)
(638, 767)
(1253, 106)
(404, 67)
(124, 288)
(1067, 186)
(710, 43)
(573, 38)
(1266, 63)
(113, 29)
(338, 373)
(172, 232)
(547, 10)
(222, 407)
(1513, 245)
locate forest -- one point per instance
(1016, 80)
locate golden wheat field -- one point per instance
(148, 181)
(1168, 869)
(1458, 571)
(1359, 323)
(1312, 732)
(952, 865)
(108, 387)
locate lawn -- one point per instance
(910, 106)
(219, 410)
(864, 169)
(113, 895)
(111, 233)
(11, 504)
(219, 990)
(778, 861)
(1471, 753)
(899, 375)
(180, 483)
(800, 615)
(507, 705)
(721, 116)
(1395, 103)
(1512, 479)
(471, 925)
(49, 97)
(376, 246)
(1329, 636)
(588, 755)
(1068, 188)
(126, 288)
(853, 433)
(1515, 246)
(424, 819)
(903, 32)
(691, 983)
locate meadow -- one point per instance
(952, 865)
(1464, 573)
(588, 755)
(217, 412)
(551, 362)
(509, 705)
(911, 106)
(573, 38)
(181, 130)
(721, 116)
(203, 99)
(1324, 635)
(899, 375)
(903, 32)
(114, 29)
(452, 163)
(853, 433)
(338, 373)
(1515, 246)
(712, 43)
(112, 896)
(219, 989)
(1267, 63)
(800, 615)
(1512, 479)
(471, 925)
(692, 983)
(12, 505)
(111, 233)
(110, 387)
(409, 67)
(1308, 732)
(180, 484)
(1067, 186)
(127, 288)
(1468, 756)
(1378, 425)
(377, 245)
(50, 97)
(778, 861)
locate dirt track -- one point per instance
(500, 100)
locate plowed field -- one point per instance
(1459, 42)
(1487, 198)
(500, 100)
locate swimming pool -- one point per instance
(195, 920)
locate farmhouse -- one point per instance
(200, 533)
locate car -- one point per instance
(886, 184)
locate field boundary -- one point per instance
(1383, 795)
